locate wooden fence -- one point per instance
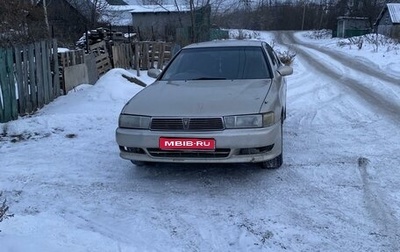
(69, 60)
(8, 101)
(141, 55)
(103, 62)
(29, 78)
(34, 75)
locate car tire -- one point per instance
(141, 163)
(274, 163)
(277, 161)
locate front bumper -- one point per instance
(232, 145)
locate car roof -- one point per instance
(226, 43)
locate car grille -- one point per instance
(179, 124)
(217, 153)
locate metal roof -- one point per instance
(394, 11)
(158, 8)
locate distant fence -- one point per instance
(29, 78)
(149, 54)
(141, 55)
(34, 75)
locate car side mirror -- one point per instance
(285, 70)
(154, 73)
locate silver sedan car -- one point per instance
(215, 102)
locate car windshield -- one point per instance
(218, 63)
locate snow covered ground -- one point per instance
(68, 190)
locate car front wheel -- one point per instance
(276, 162)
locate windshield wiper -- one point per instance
(210, 78)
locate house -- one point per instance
(150, 22)
(173, 22)
(160, 22)
(68, 19)
(118, 17)
(352, 26)
(388, 21)
(170, 21)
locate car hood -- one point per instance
(199, 98)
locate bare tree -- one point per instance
(46, 17)
(21, 22)
(91, 9)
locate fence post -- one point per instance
(44, 56)
(39, 74)
(33, 77)
(137, 59)
(55, 69)
(19, 79)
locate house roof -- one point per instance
(158, 8)
(394, 11)
(141, 2)
(352, 18)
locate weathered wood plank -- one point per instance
(11, 83)
(48, 71)
(32, 77)
(39, 74)
(8, 100)
(152, 53)
(5, 113)
(160, 63)
(145, 55)
(137, 58)
(55, 69)
(44, 63)
(19, 79)
(25, 82)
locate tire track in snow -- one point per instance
(379, 211)
(352, 64)
(374, 200)
(376, 100)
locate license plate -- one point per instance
(187, 143)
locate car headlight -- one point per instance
(134, 121)
(249, 121)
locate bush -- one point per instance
(320, 34)
(287, 57)
(3, 209)
(244, 34)
(373, 40)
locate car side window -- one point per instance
(271, 54)
(277, 59)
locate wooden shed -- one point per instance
(388, 21)
(156, 21)
(67, 19)
(352, 26)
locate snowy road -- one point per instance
(359, 76)
(337, 190)
(353, 109)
